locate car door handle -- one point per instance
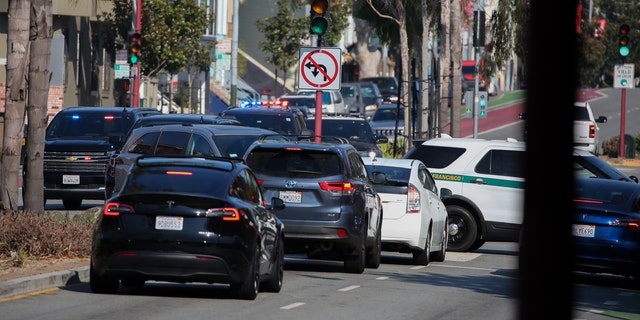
(478, 181)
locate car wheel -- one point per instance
(462, 229)
(274, 284)
(102, 284)
(248, 289)
(421, 257)
(373, 258)
(440, 254)
(71, 203)
(356, 264)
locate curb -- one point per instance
(29, 284)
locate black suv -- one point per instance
(357, 131)
(288, 122)
(78, 144)
(332, 210)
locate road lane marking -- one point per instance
(349, 288)
(293, 305)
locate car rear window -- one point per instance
(437, 157)
(283, 124)
(581, 113)
(294, 163)
(167, 179)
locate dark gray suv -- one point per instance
(332, 210)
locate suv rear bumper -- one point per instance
(305, 237)
(76, 193)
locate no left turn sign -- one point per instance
(319, 68)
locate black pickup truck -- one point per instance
(78, 144)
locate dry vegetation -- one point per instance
(52, 235)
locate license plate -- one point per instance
(70, 179)
(583, 230)
(169, 223)
(291, 196)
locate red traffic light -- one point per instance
(624, 29)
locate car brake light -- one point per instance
(109, 117)
(260, 182)
(413, 199)
(179, 173)
(293, 149)
(592, 131)
(342, 233)
(344, 187)
(631, 224)
(113, 209)
(588, 201)
(227, 214)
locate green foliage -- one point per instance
(388, 150)
(171, 34)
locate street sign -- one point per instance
(319, 68)
(623, 75)
(122, 71)
(121, 56)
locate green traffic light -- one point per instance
(319, 25)
(133, 59)
(624, 51)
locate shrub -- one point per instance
(53, 234)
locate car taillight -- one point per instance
(227, 214)
(113, 209)
(337, 187)
(178, 173)
(592, 131)
(588, 201)
(413, 199)
(631, 224)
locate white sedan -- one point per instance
(414, 219)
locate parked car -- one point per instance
(606, 227)
(388, 87)
(79, 142)
(415, 218)
(288, 122)
(479, 171)
(332, 210)
(189, 220)
(181, 139)
(388, 120)
(356, 130)
(332, 102)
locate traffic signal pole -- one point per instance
(135, 68)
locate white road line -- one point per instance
(293, 305)
(349, 288)
(382, 278)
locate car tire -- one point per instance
(102, 284)
(132, 283)
(421, 257)
(375, 253)
(248, 289)
(440, 255)
(462, 229)
(72, 203)
(274, 284)
(356, 263)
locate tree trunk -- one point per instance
(425, 121)
(445, 68)
(456, 59)
(367, 61)
(39, 76)
(16, 96)
(404, 53)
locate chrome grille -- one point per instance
(74, 162)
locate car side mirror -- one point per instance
(445, 193)
(601, 119)
(381, 139)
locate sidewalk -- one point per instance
(78, 273)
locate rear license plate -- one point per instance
(70, 179)
(169, 223)
(291, 196)
(583, 230)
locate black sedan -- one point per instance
(185, 220)
(606, 227)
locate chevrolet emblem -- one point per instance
(71, 159)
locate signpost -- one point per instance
(623, 78)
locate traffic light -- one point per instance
(135, 49)
(126, 85)
(623, 40)
(482, 103)
(319, 17)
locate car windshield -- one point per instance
(348, 91)
(352, 130)
(283, 124)
(235, 146)
(73, 125)
(387, 114)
